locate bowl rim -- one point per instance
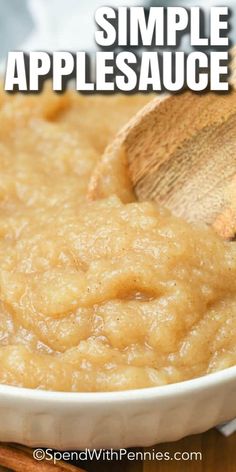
(149, 393)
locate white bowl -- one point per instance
(116, 419)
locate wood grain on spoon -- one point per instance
(179, 151)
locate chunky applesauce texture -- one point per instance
(99, 295)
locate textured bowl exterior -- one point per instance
(144, 417)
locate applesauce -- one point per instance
(102, 295)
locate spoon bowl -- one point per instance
(179, 151)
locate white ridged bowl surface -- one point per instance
(117, 419)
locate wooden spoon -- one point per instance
(179, 151)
